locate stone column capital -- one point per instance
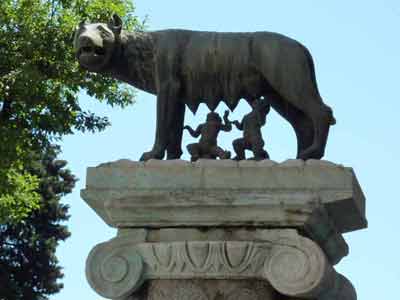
(294, 265)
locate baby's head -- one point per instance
(213, 117)
(261, 104)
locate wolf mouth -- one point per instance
(91, 51)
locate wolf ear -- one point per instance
(75, 33)
(82, 23)
(115, 24)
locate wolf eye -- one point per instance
(103, 31)
(101, 28)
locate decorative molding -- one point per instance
(293, 265)
(300, 270)
(114, 270)
(195, 259)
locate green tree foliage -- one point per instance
(39, 85)
(28, 265)
(40, 81)
(19, 195)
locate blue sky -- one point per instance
(355, 45)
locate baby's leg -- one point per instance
(194, 151)
(221, 153)
(257, 146)
(238, 146)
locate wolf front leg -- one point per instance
(174, 147)
(167, 109)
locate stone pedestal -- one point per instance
(223, 230)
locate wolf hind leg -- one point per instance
(322, 119)
(301, 123)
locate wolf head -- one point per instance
(95, 43)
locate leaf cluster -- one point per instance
(40, 81)
(28, 266)
(40, 84)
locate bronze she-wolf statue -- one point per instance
(184, 67)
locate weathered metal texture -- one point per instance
(186, 68)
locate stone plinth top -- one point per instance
(178, 193)
(219, 174)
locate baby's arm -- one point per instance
(194, 133)
(227, 124)
(238, 124)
